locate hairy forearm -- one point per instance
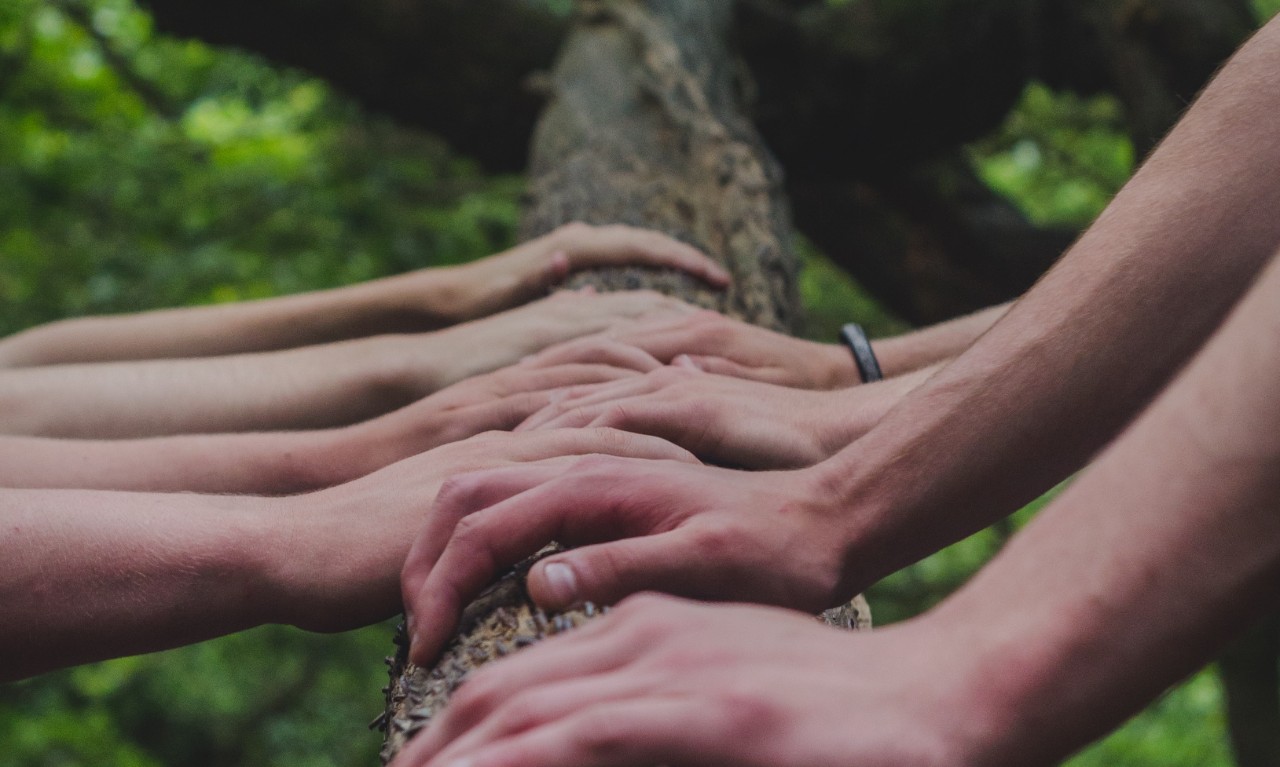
(929, 346)
(1073, 360)
(1150, 561)
(405, 303)
(93, 575)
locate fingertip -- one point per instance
(553, 584)
(687, 362)
(718, 275)
(559, 266)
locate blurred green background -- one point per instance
(139, 171)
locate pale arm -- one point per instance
(312, 387)
(417, 301)
(277, 463)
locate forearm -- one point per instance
(1073, 360)
(929, 346)
(95, 575)
(405, 303)
(1149, 562)
(270, 463)
(315, 387)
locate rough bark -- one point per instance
(642, 127)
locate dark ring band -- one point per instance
(863, 355)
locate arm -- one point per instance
(1134, 577)
(417, 301)
(308, 388)
(90, 575)
(1041, 391)
(718, 344)
(278, 463)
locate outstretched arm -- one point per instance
(414, 302)
(307, 388)
(1134, 577)
(90, 575)
(717, 344)
(283, 462)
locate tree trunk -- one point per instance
(643, 127)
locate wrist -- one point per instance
(330, 567)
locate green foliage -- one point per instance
(1061, 158)
(139, 171)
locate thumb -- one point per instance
(606, 573)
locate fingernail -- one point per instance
(685, 361)
(562, 584)
(463, 762)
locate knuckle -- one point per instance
(745, 713)
(715, 543)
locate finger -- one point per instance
(634, 731)
(551, 678)
(725, 367)
(459, 496)
(467, 542)
(594, 350)
(605, 573)
(585, 502)
(578, 398)
(619, 245)
(550, 443)
(559, 376)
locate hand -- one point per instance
(663, 681)
(776, 537)
(347, 544)
(716, 344)
(445, 357)
(729, 421)
(496, 401)
(533, 267)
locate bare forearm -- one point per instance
(1072, 361)
(1150, 561)
(406, 303)
(271, 463)
(316, 387)
(93, 575)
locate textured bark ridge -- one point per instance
(642, 127)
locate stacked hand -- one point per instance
(729, 421)
(682, 528)
(716, 344)
(531, 268)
